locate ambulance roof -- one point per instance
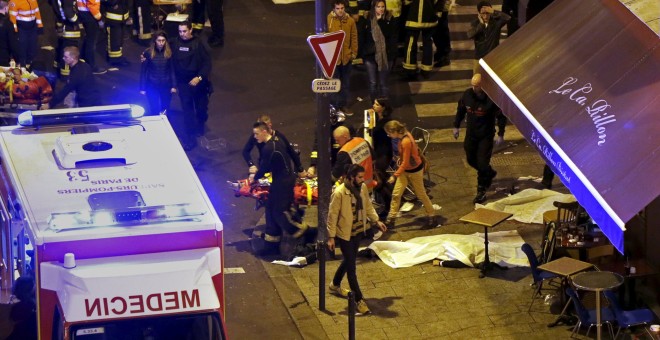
(144, 182)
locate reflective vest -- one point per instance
(25, 11)
(91, 6)
(360, 153)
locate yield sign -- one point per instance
(326, 48)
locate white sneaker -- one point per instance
(339, 291)
(361, 308)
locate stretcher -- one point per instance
(305, 191)
(20, 91)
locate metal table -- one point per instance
(597, 282)
(487, 218)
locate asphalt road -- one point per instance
(265, 67)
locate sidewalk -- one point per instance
(425, 301)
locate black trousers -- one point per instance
(478, 151)
(216, 18)
(27, 45)
(410, 62)
(160, 97)
(280, 198)
(115, 30)
(142, 20)
(195, 104)
(92, 30)
(349, 250)
(441, 38)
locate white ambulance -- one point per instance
(124, 241)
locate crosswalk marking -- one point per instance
(511, 133)
(438, 96)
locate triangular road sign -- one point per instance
(326, 48)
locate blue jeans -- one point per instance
(343, 73)
(377, 79)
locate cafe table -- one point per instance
(642, 269)
(597, 281)
(564, 267)
(488, 219)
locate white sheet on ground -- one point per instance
(503, 249)
(528, 205)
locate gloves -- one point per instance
(40, 30)
(101, 24)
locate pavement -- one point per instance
(426, 301)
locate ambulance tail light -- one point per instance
(94, 114)
(62, 221)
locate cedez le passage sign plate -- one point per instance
(326, 85)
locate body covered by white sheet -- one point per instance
(503, 249)
(528, 205)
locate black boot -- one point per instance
(481, 195)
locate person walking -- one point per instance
(486, 31)
(89, 12)
(25, 16)
(410, 171)
(213, 9)
(192, 67)
(81, 80)
(339, 20)
(378, 47)
(480, 114)
(350, 212)
(157, 75)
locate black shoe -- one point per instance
(480, 198)
(546, 185)
(410, 75)
(99, 70)
(442, 62)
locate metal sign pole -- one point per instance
(323, 163)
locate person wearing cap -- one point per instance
(339, 20)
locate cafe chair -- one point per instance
(631, 318)
(565, 215)
(548, 243)
(588, 316)
(538, 275)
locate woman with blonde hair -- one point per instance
(157, 74)
(410, 171)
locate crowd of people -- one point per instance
(175, 64)
(392, 163)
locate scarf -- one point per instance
(356, 193)
(379, 42)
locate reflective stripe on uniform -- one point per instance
(114, 16)
(71, 34)
(270, 238)
(197, 26)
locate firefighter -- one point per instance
(213, 9)
(66, 13)
(89, 12)
(276, 160)
(116, 14)
(25, 16)
(142, 21)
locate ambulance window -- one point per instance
(178, 327)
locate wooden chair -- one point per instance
(565, 215)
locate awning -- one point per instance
(581, 81)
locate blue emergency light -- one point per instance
(84, 115)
